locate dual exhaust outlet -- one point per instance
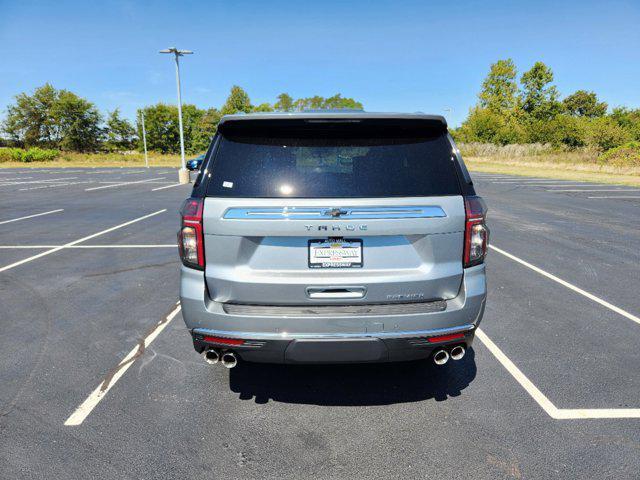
(229, 359)
(441, 356)
(213, 356)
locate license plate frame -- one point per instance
(318, 245)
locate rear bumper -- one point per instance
(322, 339)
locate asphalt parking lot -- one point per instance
(99, 378)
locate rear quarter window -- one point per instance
(327, 162)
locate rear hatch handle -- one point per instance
(329, 292)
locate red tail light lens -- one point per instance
(476, 233)
(445, 338)
(224, 341)
(190, 238)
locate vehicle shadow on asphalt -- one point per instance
(353, 385)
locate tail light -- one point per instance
(445, 338)
(476, 233)
(190, 238)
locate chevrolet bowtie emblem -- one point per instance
(334, 212)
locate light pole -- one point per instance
(144, 140)
(183, 174)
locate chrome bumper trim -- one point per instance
(336, 336)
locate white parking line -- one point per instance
(592, 190)
(31, 182)
(570, 286)
(534, 181)
(14, 178)
(559, 185)
(86, 407)
(543, 401)
(549, 185)
(118, 185)
(120, 181)
(39, 247)
(167, 186)
(55, 185)
(580, 185)
(80, 240)
(619, 196)
(32, 216)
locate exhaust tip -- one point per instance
(458, 352)
(211, 356)
(440, 357)
(229, 360)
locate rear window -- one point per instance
(333, 162)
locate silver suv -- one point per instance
(332, 237)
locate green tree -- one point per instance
(161, 123)
(30, 120)
(284, 103)
(54, 118)
(604, 133)
(559, 131)
(120, 133)
(584, 104)
(204, 130)
(78, 121)
(539, 98)
(629, 119)
(237, 101)
(163, 134)
(499, 90)
(263, 107)
(311, 103)
(337, 102)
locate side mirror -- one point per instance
(194, 165)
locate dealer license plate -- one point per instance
(335, 253)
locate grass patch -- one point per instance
(583, 172)
(97, 160)
(617, 166)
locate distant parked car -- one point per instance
(195, 163)
(333, 238)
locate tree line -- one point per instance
(59, 119)
(531, 110)
(510, 109)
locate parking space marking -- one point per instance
(516, 373)
(548, 185)
(32, 216)
(166, 186)
(582, 185)
(80, 240)
(31, 182)
(55, 185)
(120, 181)
(118, 185)
(592, 190)
(542, 400)
(570, 286)
(86, 407)
(618, 196)
(537, 181)
(14, 178)
(38, 247)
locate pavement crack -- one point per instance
(130, 269)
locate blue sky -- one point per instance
(393, 56)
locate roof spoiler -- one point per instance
(236, 123)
